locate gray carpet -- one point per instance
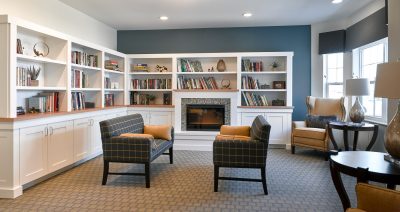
(298, 182)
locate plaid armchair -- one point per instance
(243, 153)
(131, 149)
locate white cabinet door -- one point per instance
(279, 128)
(248, 118)
(157, 118)
(60, 145)
(96, 135)
(82, 138)
(33, 153)
(145, 115)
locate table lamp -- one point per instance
(387, 85)
(357, 87)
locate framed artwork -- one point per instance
(279, 85)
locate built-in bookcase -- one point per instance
(266, 78)
(200, 73)
(150, 80)
(114, 79)
(52, 76)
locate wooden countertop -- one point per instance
(156, 106)
(206, 90)
(266, 107)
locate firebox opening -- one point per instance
(205, 117)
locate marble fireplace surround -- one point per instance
(205, 101)
(182, 99)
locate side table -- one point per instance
(350, 126)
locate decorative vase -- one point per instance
(221, 67)
(392, 141)
(357, 112)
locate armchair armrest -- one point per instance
(237, 153)
(127, 149)
(172, 134)
(298, 124)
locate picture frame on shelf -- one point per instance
(279, 84)
(278, 102)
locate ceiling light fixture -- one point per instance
(336, 1)
(163, 18)
(247, 15)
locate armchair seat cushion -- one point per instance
(232, 137)
(159, 146)
(138, 135)
(308, 132)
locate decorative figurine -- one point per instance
(221, 67)
(161, 68)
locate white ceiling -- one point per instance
(144, 14)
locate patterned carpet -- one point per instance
(298, 182)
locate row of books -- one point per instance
(109, 100)
(200, 83)
(79, 79)
(82, 58)
(140, 67)
(250, 83)
(44, 102)
(248, 66)
(111, 65)
(23, 77)
(252, 99)
(190, 65)
(151, 84)
(137, 98)
(78, 100)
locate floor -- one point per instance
(298, 182)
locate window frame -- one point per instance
(326, 75)
(357, 72)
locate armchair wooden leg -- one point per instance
(264, 181)
(216, 176)
(326, 156)
(293, 149)
(147, 173)
(171, 155)
(105, 172)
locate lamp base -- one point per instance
(392, 160)
(357, 112)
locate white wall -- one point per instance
(317, 88)
(61, 17)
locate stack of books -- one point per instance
(107, 83)
(140, 67)
(151, 84)
(250, 83)
(44, 102)
(191, 66)
(248, 66)
(23, 77)
(201, 83)
(252, 99)
(111, 65)
(108, 100)
(78, 100)
(79, 79)
(82, 58)
(139, 98)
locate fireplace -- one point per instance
(204, 117)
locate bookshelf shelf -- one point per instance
(263, 72)
(31, 88)
(206, 90)
(85, 89)
(150, 73)
(113, 90)
(77, 66)
(208, 73)
(152, 90)
(29, 58)
(264, 90)
(113, 72)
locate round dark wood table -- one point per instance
(350, 126)
(366, 166)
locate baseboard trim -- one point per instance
(11, 192)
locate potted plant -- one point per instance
(151, 99)
(34, 74)
(274, 66)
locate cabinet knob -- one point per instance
(46, 131)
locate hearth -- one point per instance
(201, 117)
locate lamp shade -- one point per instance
(357, 87)
(387, 82)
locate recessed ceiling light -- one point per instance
(163, 18)
(336, 1)
(247, 15)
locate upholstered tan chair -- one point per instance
(375, 199)
(317, 138)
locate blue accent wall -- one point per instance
(242, 39)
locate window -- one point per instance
(333, 68)
(367, 58)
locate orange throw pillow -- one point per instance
(159, 131)
(235, 130)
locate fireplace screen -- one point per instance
(204, 117)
